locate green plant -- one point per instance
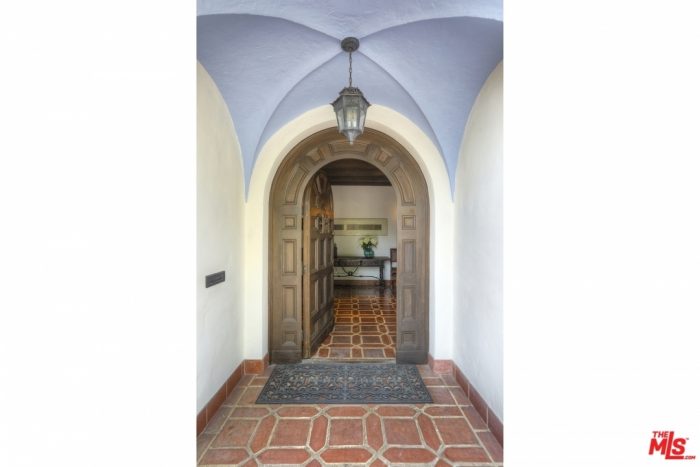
(368, 242)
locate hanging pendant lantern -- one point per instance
(351, 106)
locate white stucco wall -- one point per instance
(431, 163)
(220, 216)
(478, 240)
(365, 202)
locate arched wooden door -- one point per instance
(287, 195)
(317, 266)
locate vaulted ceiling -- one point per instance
(274, 60)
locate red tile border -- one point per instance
(474, 418)
(449, 411)
(481, 407)
(479, 403)
(201, 421)
(215, 402)
(460, 396)
(385, 434)
(207, 413)
(455, 431)
(496, 427)
(224, 456)
(440, 366)
(346, 411)
(297, 411)
(256, 367)
(235, 433)
(489, 441)
(441, 395)
(466, 454)
(233, 380)
(461, 380)
(249, 412)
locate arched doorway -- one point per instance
(286, 239)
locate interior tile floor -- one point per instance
(365, 325)
(447, 432)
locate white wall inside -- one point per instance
(220, 216)
(365, 202)
(478, 315)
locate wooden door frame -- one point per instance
(285, 239)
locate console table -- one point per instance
(361, 262)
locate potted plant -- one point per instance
(368, 244)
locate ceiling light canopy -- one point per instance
(351, 106)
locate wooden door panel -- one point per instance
(318, 271)
(412, 293)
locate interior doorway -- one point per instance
(364, 304)
(288, 308)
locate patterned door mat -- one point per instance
(345, 383)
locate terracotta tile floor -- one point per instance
(448, 432)
(365, 325)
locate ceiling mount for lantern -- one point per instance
(351, 106)
(350, 44)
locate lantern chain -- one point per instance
(350, 69)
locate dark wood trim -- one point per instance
(360, 283)
(492, 421)
(323, 334)
(286, 356)
(207, 413)
(416, 357)
(285, 230)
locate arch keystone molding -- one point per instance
(402, 133)
(286, 243)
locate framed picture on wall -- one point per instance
(360, 227)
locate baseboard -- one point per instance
(441, 366)
(246, 367)
(256, 367)
(449, 367)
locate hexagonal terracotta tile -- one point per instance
(345, 455)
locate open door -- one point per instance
(317, 257)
